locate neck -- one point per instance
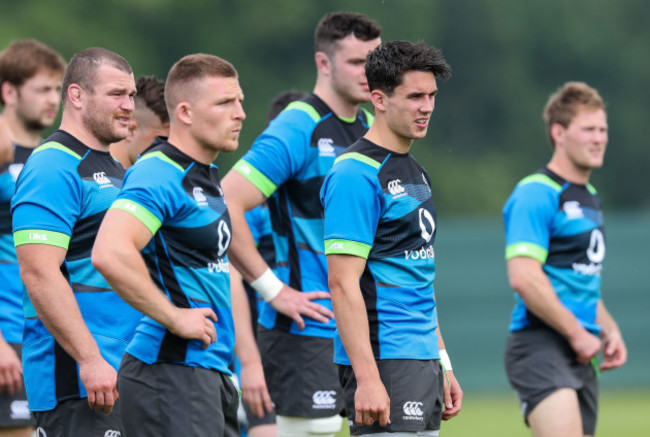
(569, 171)
(120, 152)
(186, 143)
(341, 107)
(380, 134)
(20, 133)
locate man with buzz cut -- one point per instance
(30, 95)
(150, 119)
(76, 326)
(555, 247)
(393, 366)
(163, 245)
(287, 164)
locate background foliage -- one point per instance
(487, 131)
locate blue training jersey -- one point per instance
(11, 287)
(560, 224)
(290, 158)
(61, 197)
(180, 201)
(378, 206)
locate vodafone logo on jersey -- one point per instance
(324, 400)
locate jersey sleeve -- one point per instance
(279, 153)
(352, 202)
(48, 199)
(148, 194)
(528, 216)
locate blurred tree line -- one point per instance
(487, 131)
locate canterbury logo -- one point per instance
(101, 178)
(413, 409)
(112, 433)
(200, 198)
(40, 432)
(394, 187)
(324, 397)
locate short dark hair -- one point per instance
(23, 59)
(151, 91)
(338, 25)
(83, 67)
(190, 68)
(565, 103)
(281, 101)
(386, 64)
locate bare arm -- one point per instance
(241, 196)
(528, 279)
(11, 369)
(453, 397)
(253, 384)
(614, 350)
(57, 308)
(371, 399)
(116, 255)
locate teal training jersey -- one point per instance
(62, 194)
(560, 224)
(11, 287)
(180, 201)
(378, 206)
(287, 163)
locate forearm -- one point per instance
(245, 343)
(124, 269)
(352, 324)
(535, 289)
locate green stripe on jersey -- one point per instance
(140, 212)
(527, 249)
(255, 177)
(369, 116)
(39, 236)
(160, 155)
(359, 157)
(305, 107)
(58, 146)
(591, 189)
(347, 247)
(542, 179)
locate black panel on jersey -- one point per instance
(303, 203)
(65, 374)
(367, 284)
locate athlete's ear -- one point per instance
(75, 95)
(557, 132)
(9, 93)
(184, 112)
(378, 99)
(323, 63)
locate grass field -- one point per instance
(622, 414)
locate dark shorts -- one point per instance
(14, 411)
(165, 400)
(539, 362)
(300, 374)
(252, 420)
(416, 392)
(74, 418)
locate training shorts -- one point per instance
(541, 361)
(300, 374)
(171, 400)
(416, 392)
(14, 411)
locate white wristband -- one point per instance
(444, 359)
(268, 285)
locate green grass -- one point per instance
(622, 414)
